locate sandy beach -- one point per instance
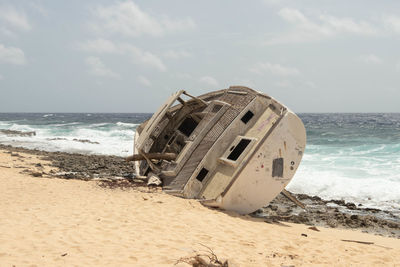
(60, 222)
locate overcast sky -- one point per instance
(129, 56)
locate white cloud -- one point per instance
(14, 19)
(347, 25)
(275, 69)
(209, 80)
(98, 46)
(144, 57)
(177, 54)
(12, 55)
(101, 46)
(97, 68)
(129, 19)
(392, 23)
(371, 59)
(306, 29)
(144, 81)
(1, 77)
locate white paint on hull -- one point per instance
(255, 187)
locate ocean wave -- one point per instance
(4, 125)
(100, 124)
(102, 146)
(112, 140)
(374, 192)
(22, 127)
(66, 124)
(126, 124)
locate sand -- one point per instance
(58, 222)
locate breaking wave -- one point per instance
(107, 134)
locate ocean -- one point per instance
(355, 157)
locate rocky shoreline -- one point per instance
(331, 213)
(115, 172)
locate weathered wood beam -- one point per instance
(166, 156)
(196, 98)
(181, 101)
(293, 199)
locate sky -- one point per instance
(129, 56)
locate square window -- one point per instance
(247, 117)
(202, 174)
(239, 148)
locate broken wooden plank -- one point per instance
(166, 156)
(293, 199)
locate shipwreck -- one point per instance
(235, 149)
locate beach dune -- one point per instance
(58, 222)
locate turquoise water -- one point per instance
(355, 157)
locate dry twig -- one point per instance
(200, 259)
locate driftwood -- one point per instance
(293, 199)
(356, 241)
(166, 156)
(204, 259)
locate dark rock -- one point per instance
(17, 133)
(340, 202)
(351, 206)
(332, 223)
(354, 217)
(85, 141)
(313, 228)
(372, 210)
(316, 198)
(302, 196)
(274, 208)
(393, 225)
(128, 175)
(37, 174)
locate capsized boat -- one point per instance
(235, 149)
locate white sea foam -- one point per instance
(112, 140)
(94, 125)
(66, 124)
(369, 175)
(372, 192)
(21, 127)
(125, 124)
